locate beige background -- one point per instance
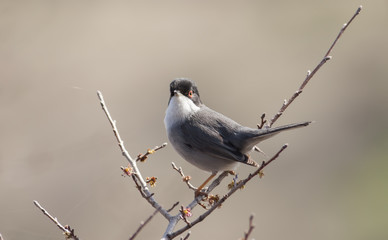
(57, 147)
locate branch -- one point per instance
(125, 153)
(216, 201)
(173, 206)
(142, 224)
(182, 238)
(143, 157)
(175, 219)
(186, 179)
(225, 197)
(217, 181)
(310, 74)
(250, 229)
(69, 233)
(263, 121)
(138, 179)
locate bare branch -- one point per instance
(136, 175)
(185, 212)
(343, 29)
(250, 229)
(173, 206)
(182, 238)
(143, 157)
(69, 232)
(115, 131)
(225, 197)
(185, 178)
(142, 224)
(263, 121)
(311, 74)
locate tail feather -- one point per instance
(251, 162)
(265, 133)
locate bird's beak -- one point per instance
(176, 94)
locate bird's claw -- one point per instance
(201, 193)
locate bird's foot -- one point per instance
(199, 193)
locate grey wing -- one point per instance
(209, 135)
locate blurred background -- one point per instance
(57, 147)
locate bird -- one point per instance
(207, 139)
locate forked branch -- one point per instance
(185, 178)
(226, 196)
(250, 229)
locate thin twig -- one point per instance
(185, 178)
(143, 157)
(136, 174)
(142, 193)
(142, 224)
(263, 121)
(225, 197)
(310, 74)
(344, 28)
(124, 151)
(173, 206)
(69, 233)
(186, 237)
(250, 229)
(115, 130)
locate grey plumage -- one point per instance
(206, 138)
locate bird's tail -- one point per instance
(266, 133)
(271, 131)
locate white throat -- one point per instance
(178, 110)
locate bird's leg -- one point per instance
(198, 191)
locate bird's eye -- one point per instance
(190, 94)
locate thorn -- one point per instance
(257, 149)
